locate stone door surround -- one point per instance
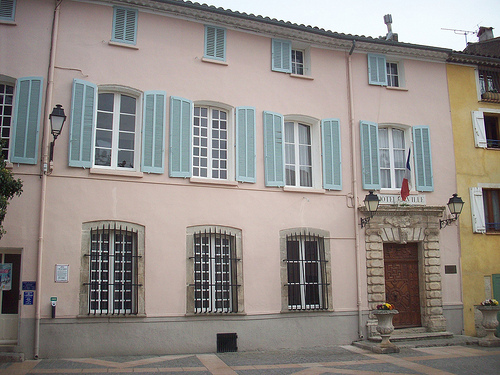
(403, 224)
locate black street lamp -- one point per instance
(371, 203)
(455, 205)
(57, 118)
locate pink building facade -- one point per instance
(210, 178)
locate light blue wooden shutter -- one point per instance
(215, 43)
(124, 25)
(81, 132)
(282, 55)
(274, 149)
(423, 159)
(181, 114)
(153, 132)
(370, 165)
(377, 70)
(26, 125)
(332, 159)
(7, 10)
(245, 144)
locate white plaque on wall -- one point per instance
(61, 273)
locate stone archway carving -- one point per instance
(403, 224)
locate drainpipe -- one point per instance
(45, 166)
(354, 188)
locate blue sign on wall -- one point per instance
(29, 285)
(28, 298)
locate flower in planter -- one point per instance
(388, 306)
(489, 302)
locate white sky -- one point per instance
(416, 21)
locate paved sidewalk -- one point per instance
(445, 360)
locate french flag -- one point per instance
(405, 186)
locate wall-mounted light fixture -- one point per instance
(57, 118)
(455, 205)
(371, 203)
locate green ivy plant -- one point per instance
(9, 186)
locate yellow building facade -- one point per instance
(475, 111)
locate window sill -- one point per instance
(396, 88)
(125, 45)
(110, 316)
(301, 76)
(213, 61)
(9, 165)
(294, 189)
(114, 172)
(215, 314)
(7, 22)
(305, 311)
(200, 180)
(492, 233)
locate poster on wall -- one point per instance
(6, 276)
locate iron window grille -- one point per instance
(215, 272)
(489, 81)
(113, 279)
(306, 272)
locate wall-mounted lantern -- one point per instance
(371, 203)
(455, 205)
(57, 118)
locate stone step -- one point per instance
(11, 357)
(409, 335)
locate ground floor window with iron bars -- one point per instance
(113, 268)
(216, 265)
(306, 271)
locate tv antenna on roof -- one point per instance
(461, 32)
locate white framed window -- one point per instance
(211, 139)
(6, 112)
(117, 128)
(305, 269)
(290, 57)
(301, 151)
(298, 61)
(486, 126)
(214, 270)
(384, 154)
(298, 155)
(385, 71)
(393, 154)
(392, 74)
(112, 269)
(485, 208)
(116, 136)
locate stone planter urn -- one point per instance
(385, 328)
(490, 324)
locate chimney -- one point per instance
(390, 35)
(485, 33)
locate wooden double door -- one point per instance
(402, 283)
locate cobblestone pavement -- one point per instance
(444, 360)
